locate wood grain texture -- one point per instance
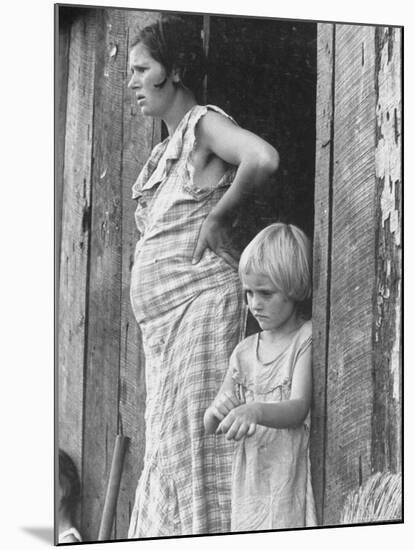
(356, 415)
(386, 421)
(349, 383)
(321, 254)
(140, 134)
(103, 346)
(75, 238)
(61, 87)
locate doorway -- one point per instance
(263, 73)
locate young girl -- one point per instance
(264, 401)
(69, 495)
(185, 291)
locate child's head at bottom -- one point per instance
(69, 488)
(275, 269)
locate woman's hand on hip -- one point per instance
(215, 234)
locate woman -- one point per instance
(184, 286)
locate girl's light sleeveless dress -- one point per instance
(271, 487)
(191, 318)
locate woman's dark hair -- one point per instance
(176, 43)
(70, 483)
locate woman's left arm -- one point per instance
(280, 415)
(256, 161)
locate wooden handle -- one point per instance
(112, 490)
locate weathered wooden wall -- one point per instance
(75, 237)
(357, 396)
(102, 142)
(101, 388)
(386, 422)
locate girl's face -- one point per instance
(271, 308)
(147, 73)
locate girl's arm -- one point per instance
(285, 414)
(225, 401)
(256, 160)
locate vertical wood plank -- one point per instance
(75, 237)
(140, 134)
(321, 254)
(61, 86)
(206, 48)
(103, 346)
(349, 385)
(386, 421)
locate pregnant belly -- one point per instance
(160, 282)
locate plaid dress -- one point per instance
(191, 318)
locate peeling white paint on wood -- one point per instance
(388, 154)
(388, 169)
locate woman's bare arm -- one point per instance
(256, 161)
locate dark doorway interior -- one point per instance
(263, 73)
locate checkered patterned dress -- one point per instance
(191, 318)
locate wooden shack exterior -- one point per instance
(357, 261)
(102, 141)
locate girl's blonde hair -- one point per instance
(283, 253)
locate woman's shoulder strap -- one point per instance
(197, 113)
(201, 110)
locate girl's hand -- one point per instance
(240, 422)
(223, 404)
(216, 235)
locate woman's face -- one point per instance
(147, 73)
